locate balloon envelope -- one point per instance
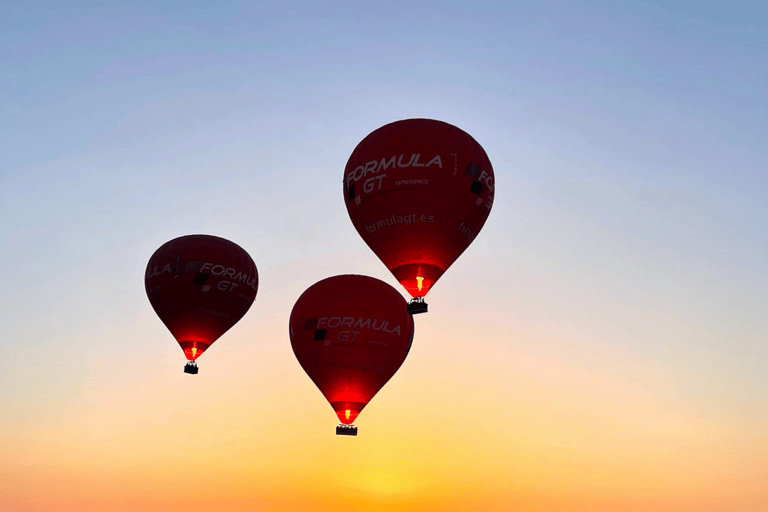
(200, 286)
(418, 192)
(351, 334)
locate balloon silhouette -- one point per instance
(418, 192)
(200, 286)
(350, 333)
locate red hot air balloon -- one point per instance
(200, 286)
(350, 333)
(418, 192)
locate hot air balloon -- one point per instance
(418, 191)
(200, 286)
(350, 334)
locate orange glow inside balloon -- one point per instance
(194, 349)
(417, 278)
(349, 415)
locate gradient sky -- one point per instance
(601, 346)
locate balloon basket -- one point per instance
(417, 306)
(191, 367)
(346, 430)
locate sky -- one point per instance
(600, 346)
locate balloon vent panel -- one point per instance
(473, 171)
(193, 266)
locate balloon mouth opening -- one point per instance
(417, 279)
(193, 349)
(347, 411)
(347, 416)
